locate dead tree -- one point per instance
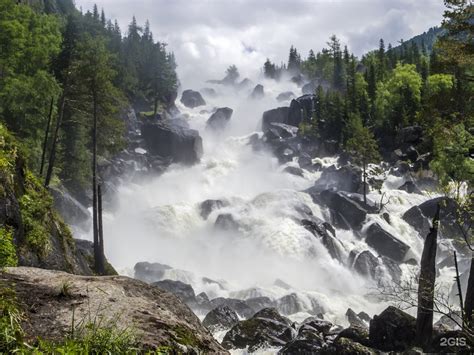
(52, 154)
(426, 286)
(469, 301)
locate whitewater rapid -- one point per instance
(158, 220)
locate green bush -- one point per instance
(8, 255)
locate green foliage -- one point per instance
(36, 212)
(8, 255)
(361, 145)
(452, 162)
(11, 333)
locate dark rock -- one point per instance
(183, 291)
(291, 304)
(258, 92)
(191, 99)
(347, 178)
(300, 108)
(393, 269)
(238, 306)
(220, 118)
(410, 135)
(392, 330)
(348, 210)
(364, 316)
(321, 326)
(73, 212)
(309, 339)
(332, 244)
(279, 131)
(294, 171)
(266, 328)
(285, 96)
(170, 139)
(346, 346)
(208, 206)
(357, 334)
(385, 243)
(366, 264)
(417, 220)
(226, 222)
(410, 187)
(220, 318)
(150, 272)
(277, 115)
(354, 319)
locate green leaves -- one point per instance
(361, 145)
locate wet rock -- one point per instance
(220, 318)
(278, 131)
(192, 99)
(209, 206)
(392, 330)
(410, 187)
(366, 264)
(294, 171)
(183, 291)
(354, 320)
(292, 303)
(364, 316)
(319, 325)
(266, 328)
(277, 115)
(226, 222)
(300, 108)
(150, 272)
(238, 306)
(393, 269)
(171, 139)
(259, 303)
(385, 243)
(285, 96)
(344, 209)
(220, 118)
(357, 334)
(332, 244)
(346, 346)
(309, 340)
(257, 93)
(347, 178)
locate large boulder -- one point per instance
(301, 109)
(172, 139)
(226, 222)
(208, 206)
(150, 272)
(345, 212)
(266, 328)
(385, 243)
(220, 118)
(346, 346)
(238, 306)
(280, 131)
(392, 330)
(192, 99)
(410, 135)
(285, 96)
(346, 178)
(51, 299)
(220, 318)
(73, 212)
(181, 290)
(410, 187)
(310, 338)
(322, 231)
(277, 115)
(258, 92)
(366, 263)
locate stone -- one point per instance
(182, 290)
(192, 99)
(257, 93)
(220, 318)
(219, 119)
(385, 243)
(277, 115)
(209, 206)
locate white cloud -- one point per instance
(209, 35)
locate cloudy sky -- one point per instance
(209, 35)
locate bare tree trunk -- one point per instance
(426, 285)
(155, 109)
(364, 179)
(95, 229)
(469, 302)
(458, 283)
(46, 135)
(101, 232)
(52, 154)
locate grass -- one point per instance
(8, 255)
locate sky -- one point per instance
(209, 35)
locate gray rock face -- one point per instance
(238, 306)
(385, 243)
(347, 178)
(277, 115)
(346, 212)
(181, 290)
(332, 244)
(192, 99)
(300, 108)
(227, 222)
(410, 187)
(266, 328)
(150, 272)
(171, 139)
(279, 131)
(220, 118)
(366, 263)
(392, 330)
(258, 92)
(220, 318)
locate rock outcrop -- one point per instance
(192, 99)
(220, 119)
(160, 319)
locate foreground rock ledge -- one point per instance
(158, 317)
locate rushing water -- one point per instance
(158, 220)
